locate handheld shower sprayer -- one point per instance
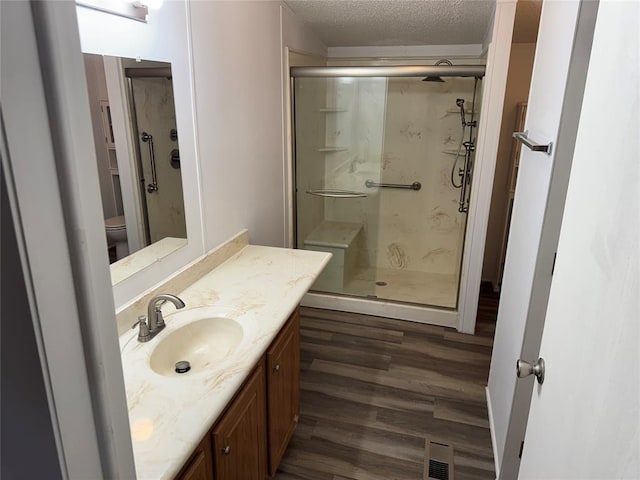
(460, 105)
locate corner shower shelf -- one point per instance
(332, 149)
(452, 151)
(466, 111)
(332, 109)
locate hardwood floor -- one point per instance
(374, 389)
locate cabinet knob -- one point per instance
(276, 368)
(226, 450)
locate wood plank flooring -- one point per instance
(374, 389)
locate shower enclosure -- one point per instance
(383, 168)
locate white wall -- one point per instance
(237, 56)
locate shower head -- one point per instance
(433, 79)
(444, 61)
(459, 102)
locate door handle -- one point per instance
(524, 369)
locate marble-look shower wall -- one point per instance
(422, 230)
(155, 114)
(400, 131)
(357, 127)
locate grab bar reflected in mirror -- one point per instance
(337, 193)
(148, 138)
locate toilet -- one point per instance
(117, 235)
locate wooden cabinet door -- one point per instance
(200, 465)
(239, 439)
(283, 389)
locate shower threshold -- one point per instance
(398, 285)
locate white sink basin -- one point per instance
(202, 343)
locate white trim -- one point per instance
(125, 152)
(70, 123)
(495, 82)
(287, 147)
(382, 308)
(492, 431)
(434, 51)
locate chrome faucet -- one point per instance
(153, 323)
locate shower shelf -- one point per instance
(452, 151)
(332, 149)
(332, 110)
(467, 112)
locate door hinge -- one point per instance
(553, 267)
(521, 448)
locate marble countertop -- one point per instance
(258, 287)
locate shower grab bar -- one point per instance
(413, 186)
(535, 147)
(337, 193)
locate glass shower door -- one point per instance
(339, 131)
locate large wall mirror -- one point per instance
(137, 151)
(143, 74)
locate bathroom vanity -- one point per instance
(266, 407)
(233, 413)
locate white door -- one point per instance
(584, 419)
(562, 55)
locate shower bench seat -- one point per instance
(342, 240)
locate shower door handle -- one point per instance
(337, 193)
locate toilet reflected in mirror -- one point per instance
(117, 237)
(137, 151)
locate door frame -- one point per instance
(489, 126)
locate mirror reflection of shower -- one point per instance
(154, 124)
(132, 99)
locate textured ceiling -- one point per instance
(352, 23)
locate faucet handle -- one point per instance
(143, 333)
(159, 318)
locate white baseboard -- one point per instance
(494, 443)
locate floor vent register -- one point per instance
(438, 461)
